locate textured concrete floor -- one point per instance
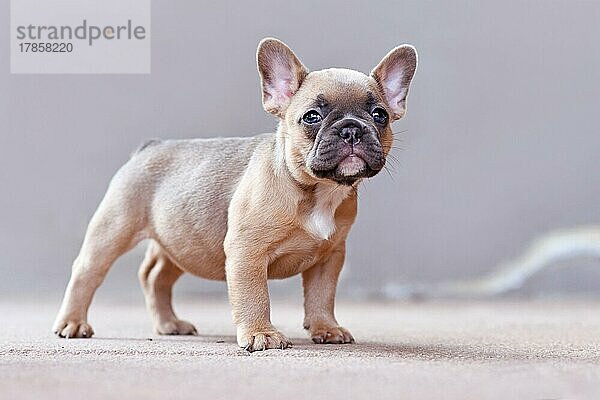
(459, 350)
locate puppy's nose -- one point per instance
(351, 133)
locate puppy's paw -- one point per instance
(259, 341)
(73, 329)
(176, 327)
(330, 335)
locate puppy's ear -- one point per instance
(281, 74)
(393, 74)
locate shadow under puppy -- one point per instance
(250, 209)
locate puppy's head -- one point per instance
(336, 123)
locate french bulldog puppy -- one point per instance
(246, 210)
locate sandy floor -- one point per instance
(526, 350)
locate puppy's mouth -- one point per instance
(349, 170)
(352, 165)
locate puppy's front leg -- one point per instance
(320, 283)
(249, 297)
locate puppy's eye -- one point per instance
(379, 115)
(312, 117)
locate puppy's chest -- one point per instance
(318, 219)
(310, 242)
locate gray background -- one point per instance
(500, 143)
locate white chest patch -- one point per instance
(320, 222)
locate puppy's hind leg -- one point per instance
(114, 229)
(157, 276)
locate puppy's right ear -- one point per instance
(281, 74)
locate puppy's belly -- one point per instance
(211, 265)
(206, 259)
(202, 263)
(194, 245)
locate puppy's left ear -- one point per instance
(281, 74)
(393, 74)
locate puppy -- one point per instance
(246, 210)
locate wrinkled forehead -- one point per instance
(338, 87)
